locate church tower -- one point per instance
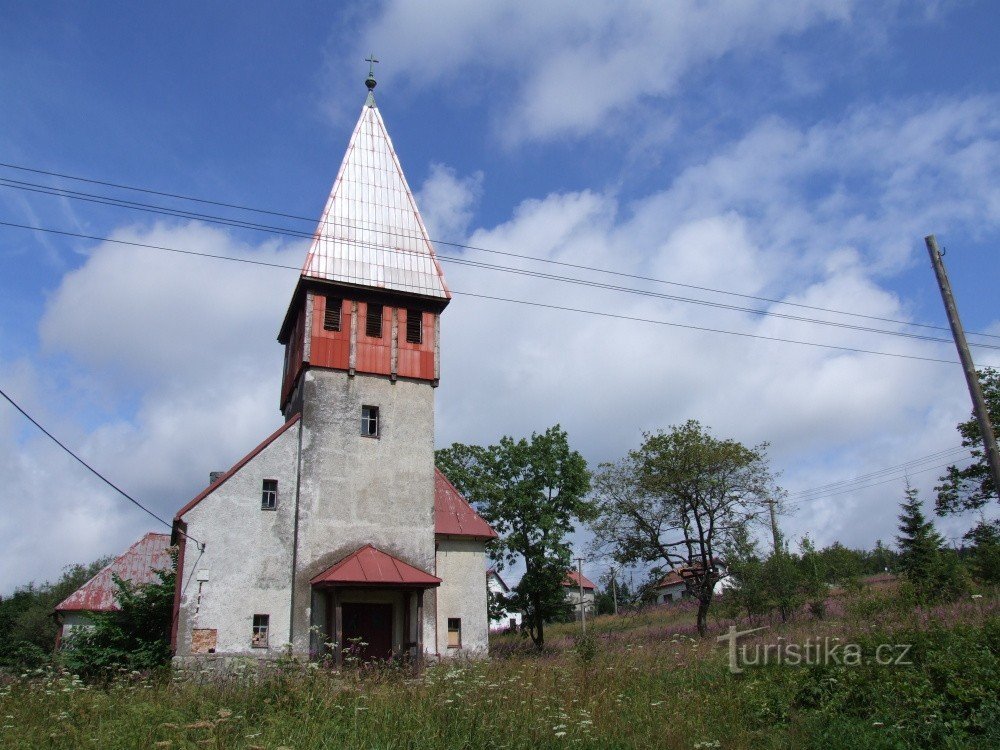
(362, 360)
(337, 529)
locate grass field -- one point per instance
(644, 680)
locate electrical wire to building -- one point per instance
(91, 469)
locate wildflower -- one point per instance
(560, 734)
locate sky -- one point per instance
(788, 156)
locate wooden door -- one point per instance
(368, 630)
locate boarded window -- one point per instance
(261, 624)
(454, 632)
(373, 321)
(331, 315)
(269, 495)
(415, 326)
(369, 421)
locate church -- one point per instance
(336, 536)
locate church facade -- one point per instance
(337, 535)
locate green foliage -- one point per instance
(747, 594)
(135, 637)
(972, 488)
(678, 499)
(783, 583)
(27, 621)
(814, 576)
(985, 558)
(531, 492)
(931, 572)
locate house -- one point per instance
(137, 565)
(575, 593)
(673, 586)
(497, 586)
(337, 531)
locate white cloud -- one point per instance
(447, 202)
(584, 67)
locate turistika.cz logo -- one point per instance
(811, 652)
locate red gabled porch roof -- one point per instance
(373, 567)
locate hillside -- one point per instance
(640, 680)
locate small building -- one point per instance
(572, 585)
(137, 565)
(674, 585)
(498, 587)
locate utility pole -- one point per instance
(971, 377)
(583, 609)
(614, 590)
(774, 526)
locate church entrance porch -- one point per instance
(370, 606)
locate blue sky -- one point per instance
(798, 152)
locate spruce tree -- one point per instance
(919, 547)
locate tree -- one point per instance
(814, 577)
(134, 637)
(931, 571)
(531, 492)
(985, 562)
(746, 593)
(26, 616)
(678, 499)
(972, 488)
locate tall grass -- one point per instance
(646, 681)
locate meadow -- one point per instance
(638, 680)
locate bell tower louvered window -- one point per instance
(414, 326)
(331, 316)
(373, 321)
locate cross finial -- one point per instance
(370, 81)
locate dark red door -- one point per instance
(368, 630)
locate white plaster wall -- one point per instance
(75, 621)
(461, 564)
(573, 597)
(502, 623)
(247, 558)
(357, 490)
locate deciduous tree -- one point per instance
(678, 499)
(531, 491)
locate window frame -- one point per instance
(265, 491)
(333, 306)
(260, 630)
(374, 415)
(417, 325)
(457, 630)
(370, 319)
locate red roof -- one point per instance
(373, 567)
(239, 465)
(573, 579)
(453, 516)
(138, 565)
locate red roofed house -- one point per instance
(337, 529)
(572, 585)
(137, 565)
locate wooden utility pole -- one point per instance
(774, 526)
(971, 377)
(583, 608)
(614, 590)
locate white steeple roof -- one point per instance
(371, 233)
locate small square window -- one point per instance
(269, 495)
(373, 321)
(369, 421)
(414, 326)
(331, 314)
(258, 638)
(454, 632)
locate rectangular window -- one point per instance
(369, 421)
(260, 626)
(269, 495)
(331, 315)
(454, 632)
(414, 326)
(373, 321)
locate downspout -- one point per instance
(295, 527)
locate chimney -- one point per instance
(213, 477)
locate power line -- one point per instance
(94, 471)
(506, 299)
(889, 469)
(122, 203)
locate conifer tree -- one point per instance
(919, 547)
